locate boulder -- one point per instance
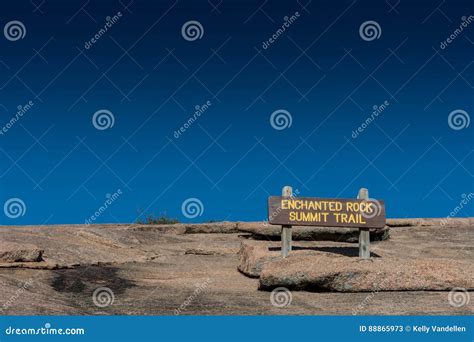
(190, 228)
(321, 273)
(252, 257)
(431, 222)
(212, 228)
(16, 252)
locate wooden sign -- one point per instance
(329, 212)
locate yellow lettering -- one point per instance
(343, 218)
(325, 215)
(292, 216)
(352, 219)
(369, 209)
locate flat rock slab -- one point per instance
(11, 252)
(153, 272)
(265, 231)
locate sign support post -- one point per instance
(287, 191)
(364, 233)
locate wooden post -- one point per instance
(364, 233)
(287, 191)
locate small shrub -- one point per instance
(162, 219)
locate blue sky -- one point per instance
(322, 75)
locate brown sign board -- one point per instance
(327, 212)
